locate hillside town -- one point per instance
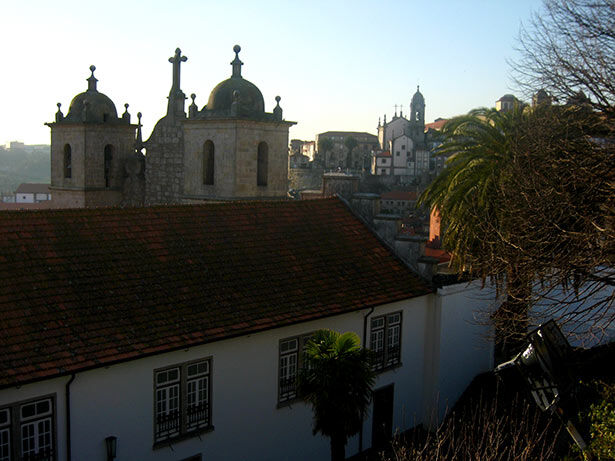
(221, 290)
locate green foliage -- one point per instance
(350, 144)
(479, 147)
(528, 196)
(601, 416)
(325, 145)
(337, 383)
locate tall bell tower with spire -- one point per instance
(417, 114)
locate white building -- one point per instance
(382, 164)
(32, 193)
(177, 330)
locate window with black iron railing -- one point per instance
(27, 431)
(385, 341)
(182, 400)
(291, 361)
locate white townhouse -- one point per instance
(32, 193)
(176, 331)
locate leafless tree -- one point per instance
(569, 47)
(485, 429)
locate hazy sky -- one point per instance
(338, 65)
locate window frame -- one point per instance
(182, 384)
(301, 339)
(108, 154)
(16, 422)
(391, 330)
(208, 163)
(67, 164)
(262, 164)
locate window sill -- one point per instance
(188, 435)
(388, 368)
(289, 403)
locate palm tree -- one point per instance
(325, 145)
(350, 144)
(479, 147)
(337, 381)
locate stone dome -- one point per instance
(249, 98)
(418, 97)
(100, 107)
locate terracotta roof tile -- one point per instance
(90, 287)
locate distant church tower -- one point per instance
(417, 115)
(89, 148)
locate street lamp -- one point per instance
(111, 443)
(543, 366)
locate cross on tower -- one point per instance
(176, 61)
(395, 109)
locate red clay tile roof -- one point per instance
(386, 153)
(45, 204)
(33, 188)
(90, 287)
(437, 125)
(438, 253)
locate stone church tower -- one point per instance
(417, 116)
(89, 149)
(231, 149)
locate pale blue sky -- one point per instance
(338, 65)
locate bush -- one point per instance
(492, 423)
(601, 418)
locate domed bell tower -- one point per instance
(89, 149)
(234, 149)
(417, 115)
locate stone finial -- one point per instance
(192, 109)
(92, 80)
(235, 103)
(236, 63)
(139, 140)
(385, 119)
(401, 113)
(277, 110)
(126, 115)
(59, 114)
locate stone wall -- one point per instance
(235, 159)
(339, 183)
(164, 163)
(305, 178)
(86, 187)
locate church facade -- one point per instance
(230, 149)
(404, 140)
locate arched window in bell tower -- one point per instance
(262, 164)
(68, 168)
(107, 164)
(208, 163)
